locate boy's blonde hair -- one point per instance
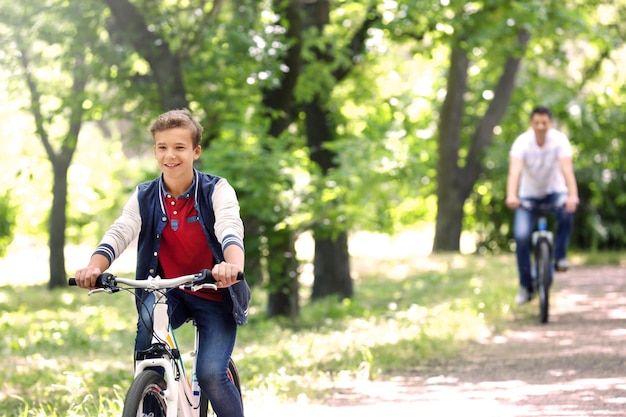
(178, 118)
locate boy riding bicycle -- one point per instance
(185, 221)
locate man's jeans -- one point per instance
(217, 330)
(525, 223)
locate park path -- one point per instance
(572, 366)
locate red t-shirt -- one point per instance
(184, 248)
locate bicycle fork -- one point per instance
(177, 390)
(189, 390)
(542, 233)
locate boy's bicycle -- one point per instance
(543, 255)
(161, 387)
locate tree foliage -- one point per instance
(49, 57)
(339, 116)
(7, 221)
(573, 70)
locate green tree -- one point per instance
(229, 100)
(486, 43)
(46, 50)
(578, 77)
(327, 63)
(457, 173)
(202, 56)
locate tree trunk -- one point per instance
(282, 266)
(332, 259)
(449, 200)
(331, 253)
(449, 221)
(60, 160)
(57, 224)
(280, 101)
(454, 183)
(332, 266)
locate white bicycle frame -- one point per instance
(182, 395)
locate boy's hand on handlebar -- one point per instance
(86, 277)
(225, 274)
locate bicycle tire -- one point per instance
(146, 396)
(233, 374)
(543, 279)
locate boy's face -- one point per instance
(174, 152)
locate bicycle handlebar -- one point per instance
(527, 205)
(203, 279)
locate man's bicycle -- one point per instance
(161, 387)
(543, 257)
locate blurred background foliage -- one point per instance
(224, 60)
(86, 78)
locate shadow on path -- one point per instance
(572, 366)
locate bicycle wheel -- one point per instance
(233, 375)
(543, 278)
(205, 407)
(146, 396)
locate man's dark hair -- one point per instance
(541, 110)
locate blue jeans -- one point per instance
(217, 333)
(524, 224)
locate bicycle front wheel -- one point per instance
(233, 375)
(146, 396)
(544, 279)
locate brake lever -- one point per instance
(209, 286)
(194, 288)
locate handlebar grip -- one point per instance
(103, 281)
(206, 275)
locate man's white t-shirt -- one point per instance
(541, 172)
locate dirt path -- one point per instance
(572, 366)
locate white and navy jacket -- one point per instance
(144, 217)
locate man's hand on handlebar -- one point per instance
(512, 202)
(571, 203)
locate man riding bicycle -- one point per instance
(540, 172)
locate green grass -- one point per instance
(67, 354)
